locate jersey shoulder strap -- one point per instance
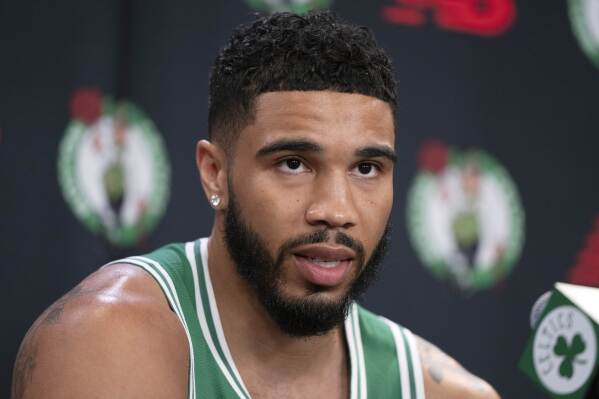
(180, 271)
(173, 260)
(391, 357)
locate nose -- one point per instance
(332, 203)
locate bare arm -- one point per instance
(113, 336)
(446, 378)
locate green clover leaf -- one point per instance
(569, 352)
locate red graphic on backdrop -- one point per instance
(477, 17)
(433, 156)
(86, 105)
(586, 269)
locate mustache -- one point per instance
(322, 236)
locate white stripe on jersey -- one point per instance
(349, 336)
(416, 365)
(360, 352)
(401, 359)
(216, 317)
(189, 253)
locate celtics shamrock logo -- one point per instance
(570, 353)
(564, 350)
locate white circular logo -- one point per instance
(113, 168)
(564, 350)
(464, 216)
(584, 15)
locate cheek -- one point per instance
(274, 212)
(375, 212)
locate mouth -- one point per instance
(327, 264)
(324, 265)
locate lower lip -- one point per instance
(319, 275)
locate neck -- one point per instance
(255, 340)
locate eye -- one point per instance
(292, 166)
(367, 169)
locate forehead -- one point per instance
(324, 116)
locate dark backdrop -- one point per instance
(528, 96)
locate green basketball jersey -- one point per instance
(383, 355)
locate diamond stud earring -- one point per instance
(214, 201)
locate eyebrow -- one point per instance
(303, 145)
(377, 151)
(300, 145)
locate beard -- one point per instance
(305, 316)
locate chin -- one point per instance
(318, 294)
(310, 313)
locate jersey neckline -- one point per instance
(207, 310)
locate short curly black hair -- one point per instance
(285, 52)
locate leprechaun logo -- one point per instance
(564, 350)
(464, 216)
(113, 168)
(584, 15)
(295, 6)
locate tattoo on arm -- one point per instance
(429, 355)
(24, 365)
(27, 355)
(436, 373)
(54, 312)
(438, 365)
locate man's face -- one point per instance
(310, 193)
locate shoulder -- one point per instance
(445, 378)
(111, 334)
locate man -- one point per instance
(299, 170)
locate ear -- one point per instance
(211, 162)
